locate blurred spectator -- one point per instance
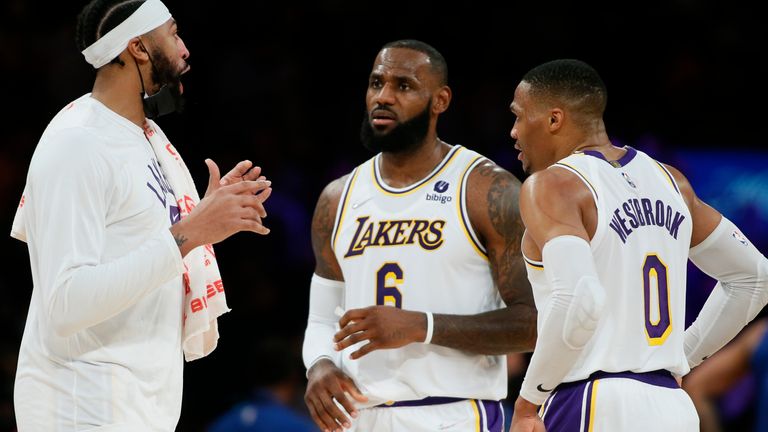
(274, 370)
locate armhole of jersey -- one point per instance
(580, 176)
(466, 225)
(668, 176)
(535, 265)
(341, 209)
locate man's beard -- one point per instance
(168, 97)
(401, 139)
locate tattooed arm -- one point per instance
(492, 203)
(322, 228)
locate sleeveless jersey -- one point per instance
(414, 248)
(640, 248)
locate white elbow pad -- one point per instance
(570, 270)
(325, 295)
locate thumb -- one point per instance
(213, 176)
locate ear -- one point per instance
(441, 100)
(556, 119)
(137, 51)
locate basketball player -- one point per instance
(417, 248)
(608, 234)
(102, 346)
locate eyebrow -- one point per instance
(399, 78)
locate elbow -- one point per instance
(583, 313)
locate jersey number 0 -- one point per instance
(658, 318)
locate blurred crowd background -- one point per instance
(282, 84)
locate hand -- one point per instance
(526, 417)
(243, 171)
(327, 382)
(223, 211)
(383, 327)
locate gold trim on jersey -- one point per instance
(345, 200)
(533, 264)
(465, 222)
(383, 188)
(668, 176)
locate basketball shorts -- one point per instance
(432, 414)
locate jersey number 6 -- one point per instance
(387, 279)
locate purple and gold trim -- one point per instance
(379, 182)
(581, 176)
(669, 176)
(343, 207)
(536, 265)
(573, 405)
(461, 203)
(619, 163)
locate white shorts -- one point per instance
(429, 415)
(620, 402)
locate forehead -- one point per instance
(403, 62)
(522, 98)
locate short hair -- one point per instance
(99, 17)
(571, 81)
(439, 66)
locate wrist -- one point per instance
(523, 406)
(321, 363)
(184, 237)
(429, 327)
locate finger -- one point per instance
(316, 411)
(249, 187)
(352, 339)
(253, 202)
(332, 410)
(350, 387)
(264, 195)
(253, 174)
(349, 407)
(349, 329)
(213, 176)
(365, 349)
(236, 173)
(251, 214)
(252, 226)
(352, 315)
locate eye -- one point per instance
(375, 84)
(404, 86)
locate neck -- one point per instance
(119, 89)
(595, 139)
(403, 169)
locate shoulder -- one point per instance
(69, 151)
(552, 191)
(686, 190)
(331, 194)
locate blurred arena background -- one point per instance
(282, 84)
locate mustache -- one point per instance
(381, 108)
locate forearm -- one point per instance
(324, 297)
(501, 331)
(90, 294)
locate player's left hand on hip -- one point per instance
(525, 417)
(244, 170)
(383, 327)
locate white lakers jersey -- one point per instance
(414, 248)
(640, 249)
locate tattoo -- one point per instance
(508, 329)
(322, 229)
(180, 239)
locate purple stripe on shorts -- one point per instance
(659, 378)
(564, 412)
(494, 415)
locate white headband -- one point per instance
(149, 16)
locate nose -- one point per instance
(385, 95)
(513, 133)
(183, 50)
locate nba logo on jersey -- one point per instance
(629, 180)
(740, 237)
(441, 186)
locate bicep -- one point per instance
(323, 223)
(493, 205)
